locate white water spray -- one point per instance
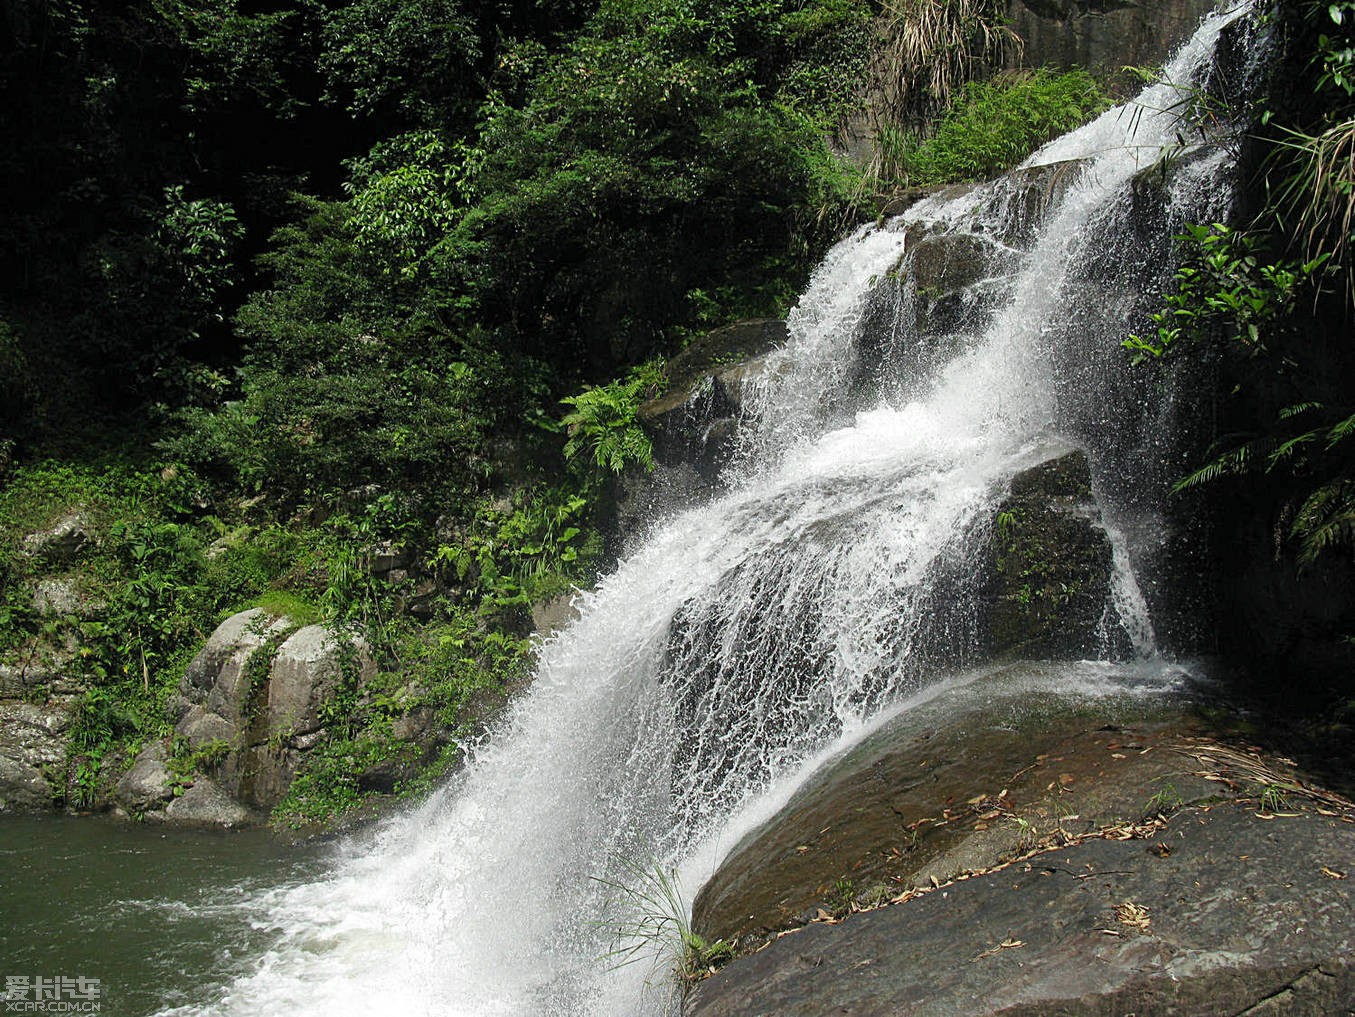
(746, 637)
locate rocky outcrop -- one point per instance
(1221, 913)
(973, 774)
(1051, 564)
(32, 755)
(693, 424)
(1012, 845)
(258, 692)
(62, 542)
(1102, 36)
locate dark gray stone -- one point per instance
(920, 798)
(1052, 564)
(1242, 919)
(206, 804)
(147, 785)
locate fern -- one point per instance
(604, 421)
(1341, 431)
(1326, 520)
(1236, 460)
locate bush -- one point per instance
(992, 125)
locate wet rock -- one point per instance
(1221, 913)
(206, 804)
(707, 384)
(62, 542)
(147, 784)
(694, 423)
(552, 614)
(1052, 564)
(32, 745)
(974, 773)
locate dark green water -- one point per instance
(159, 916)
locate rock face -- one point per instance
(1102, 35)
(961, 780)
(1013, 832)
(258, 692)
(32, 755)
(1238, 917)
(692, 425)
(1051, 564)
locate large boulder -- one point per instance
(1221, 912)
(1030, 841)
(147, 784)
(256, 698)
(973, 774)
(32, 753)
(205, 803)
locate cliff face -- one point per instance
(1101, 36)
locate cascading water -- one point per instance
(749, 636)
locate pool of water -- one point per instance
(160, 916)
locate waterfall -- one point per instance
(750, 636)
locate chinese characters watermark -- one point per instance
(60, 994)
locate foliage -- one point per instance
(1228, 291)
(1254, 305)
(650, 922)
(992, 125)
(603, 421)
(932, 49)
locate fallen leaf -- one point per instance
(1006, 944)
(1333, 873)
(1118, 755)
(1134, 915)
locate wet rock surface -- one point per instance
(1222, 913)
(1009, 846)
(693, 424)
(1051, 567)
(974, 773)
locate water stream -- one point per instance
(749, 637)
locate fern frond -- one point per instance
(1286, 448)
(1326, 520)
(1236, 460)
(1341, 431)
(1298, 408)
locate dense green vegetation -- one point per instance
(991, 125)
(290, 286)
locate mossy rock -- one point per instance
(1051, 564)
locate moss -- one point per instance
(1051, 563)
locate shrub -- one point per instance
(992, 125)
